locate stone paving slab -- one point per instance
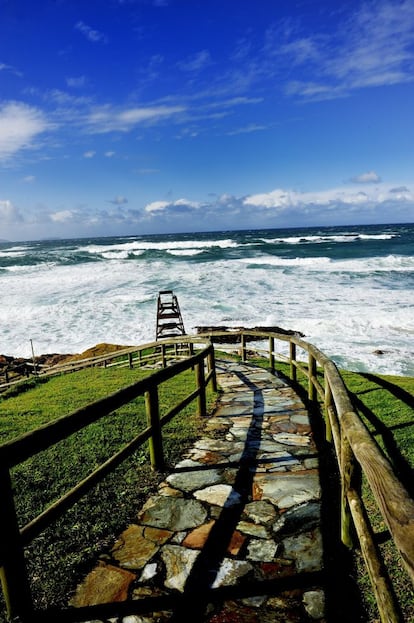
(241, 510)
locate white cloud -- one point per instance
(29, 179)
(92, 35)
(372, 47)
(10, 69)
(280, 199)
(107, 119)
(89, 154)
(109, 154)
(9, 214)
(62, 216)
(180, 205)
(366, 178)
(20, 125)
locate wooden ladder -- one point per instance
(169, 319)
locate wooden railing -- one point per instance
(355, 449)
(356, 453)
(13, 539)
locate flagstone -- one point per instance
(253, 529)
(292, 439)
(104, 584)
(192, 480)
(173, 513)
(137, 545)
(260, 512)
(305, 549)
(219, 495)
(263, 550)
(231, 571)
(178, 562)
(286, 490)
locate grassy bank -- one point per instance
(386, 405)
(65, 552)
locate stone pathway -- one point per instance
(240, 515)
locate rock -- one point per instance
(230, 572)
(192, 480)
(172, 513)
(314, 602)
(219, 495)
(305, 549)
(137, 545)
(178, 562)
(298, 519)
(105, 584)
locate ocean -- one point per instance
(348, 289)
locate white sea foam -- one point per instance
(349, 308)
(148, 245)
(345, 237)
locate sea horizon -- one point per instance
(348, 288)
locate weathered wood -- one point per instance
(396, 506)
(292, 355)
(201, 389)
(380, 581)
(272, 354)
(153, 419)
(13, 574)
(347, 471)
(328, 406)
(311, 378)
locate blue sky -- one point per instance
(124, 117)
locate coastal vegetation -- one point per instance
(64, 553)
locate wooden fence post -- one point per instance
(163, 355)
(243, 347)
(328, 405)
(14, 580)
(131, 365)
(272, 354)
(201, 388)
(292, 356)
(212, 368)
(347, 462)
(312, 374)
(153, 419)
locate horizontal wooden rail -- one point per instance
(355, 450)
(12, 539)
(354, 447)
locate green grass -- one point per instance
(66, 551)
(385, 404)
(62, 554)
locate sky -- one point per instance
(129, 117)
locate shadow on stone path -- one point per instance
(234, 531)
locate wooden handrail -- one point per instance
(12, 539)
(354, 447)
(355, 450)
